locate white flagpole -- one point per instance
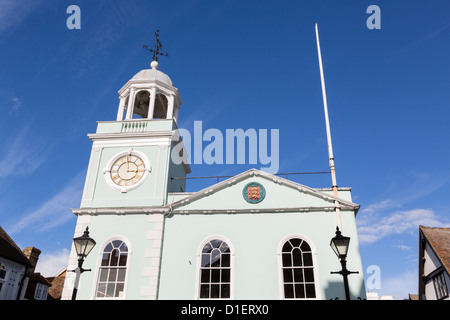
(327, 123)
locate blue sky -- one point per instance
(237, 64)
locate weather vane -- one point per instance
(158, 47)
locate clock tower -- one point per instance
(130, 163)
(125, 196)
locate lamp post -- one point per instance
(339, 244)
(83, 245)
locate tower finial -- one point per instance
(156, 51)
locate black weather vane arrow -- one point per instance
(158, 47)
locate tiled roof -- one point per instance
(10, 250)
(439, 239)
(55, 291)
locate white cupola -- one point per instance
(150, 94)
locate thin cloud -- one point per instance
(13, 12)
(51, 263)
(16, 104)
(374, 227)
(55, 211)
(22, 156)
(401, 285)
(382, 205)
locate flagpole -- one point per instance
(327, 124)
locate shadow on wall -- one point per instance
(335, 289)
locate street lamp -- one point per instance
(339, 244)
(83, 245)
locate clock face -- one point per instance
(127, 170)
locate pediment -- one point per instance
(279, 195)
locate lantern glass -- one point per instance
(84, 244)
(340, 244)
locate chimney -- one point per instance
(32, 254)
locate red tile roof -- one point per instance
(439, 239)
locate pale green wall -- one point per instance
(255, 238)
(152, 192)
(134, 228)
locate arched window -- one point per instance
(297, 270)
(112, 271)
(215, 270)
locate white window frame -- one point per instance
(315, 266)
(41, 292)
(99, 266)
(199, 261)
(3, 280)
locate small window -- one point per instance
(440, 286)
(113, 269)
(215, 270)
(2, 278)
(297, 270)
(41, 292)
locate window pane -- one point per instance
(225, 291)
(111, 279)
(216, 243)
(204, 278)
(287, 247)
(105, 259)
(215, 275)
(289, 291)
(207, 248)
(305, 246)
(215, 291)
(101, 289)
(103, 274)
(298, 275)
(121, 274)
(123, 259)
(299, 291)
(310, 291)
(287, 261)
(215, 272)
(295, 242)
(123, 247)
(110, 290)
(226, 275)
(215, 258)
(287, 275)
(114, 257)
(204, 291)
(116, 243)
(119, 290)
(309, 274)
(307, 259)
(108, 248)
(297, 268)
(112, 274)
(205, 260)
(297, 257)
(225, 260)
(224, 247)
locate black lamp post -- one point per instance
(340, 244)
(83, 245)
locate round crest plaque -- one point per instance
(254, 192)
